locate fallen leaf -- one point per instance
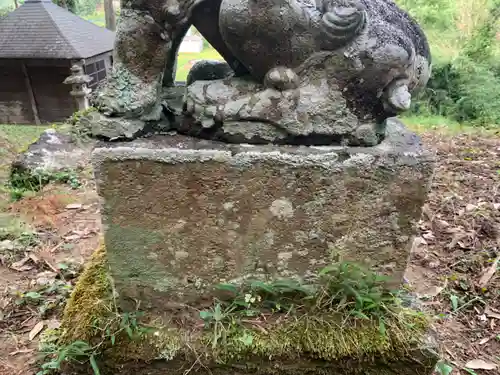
(53, 324)
(434, 291)
(479, 364)
(470, 207)
(455, 230)
(36, 330)
(45, 278)
(34, 258)
(429, 236)
(496, 206)
(488, 273)
(442, 224)
(30, 322)
(21, 265)
(49, 261)
(491, 313)
(56, 247)
(74, 206)
(4, 302)
(24, 268)
(22, 351)
(485, 340)
(455, 239)
(426, 210)
(72, 237)
(417, 242)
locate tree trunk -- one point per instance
(110, 15)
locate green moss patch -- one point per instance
(279, 343)
(90, 303)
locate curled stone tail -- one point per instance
(343, 23)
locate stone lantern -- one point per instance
(78, 79)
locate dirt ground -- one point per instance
(454, 268)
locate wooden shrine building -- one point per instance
(39, 43)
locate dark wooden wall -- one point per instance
(52, 98)
(15, 107)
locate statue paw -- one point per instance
(281, 79)
(207, 115)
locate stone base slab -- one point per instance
(182, 214)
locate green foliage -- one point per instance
(464, 91)
(22, 182)
(4, 12)
(344, 288)
(467, 88)
(87, 7)
(47, 298)
(15, 230)
(436, 13)
(78, 115)
(291, 333)
(443, 368)
(80, 7)
(78, 351)
(480, 46)
(79, 131)
(250, 301)
(70, 5)
(357, 292)
(55, 355)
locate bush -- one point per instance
(467, 88)
(438, 14)
(87, 7)
(463, 90)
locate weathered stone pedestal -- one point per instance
(181, 214)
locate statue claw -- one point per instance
(281, 79)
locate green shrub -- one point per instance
(438, 14)
(87, 7)
(467, 88)
(462, 90)
(479, 47)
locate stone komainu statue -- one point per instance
(296, 71)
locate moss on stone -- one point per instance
(90, 301)
(161, 344)
(324, 337)
(328, 338)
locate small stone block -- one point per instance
(182, 214)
